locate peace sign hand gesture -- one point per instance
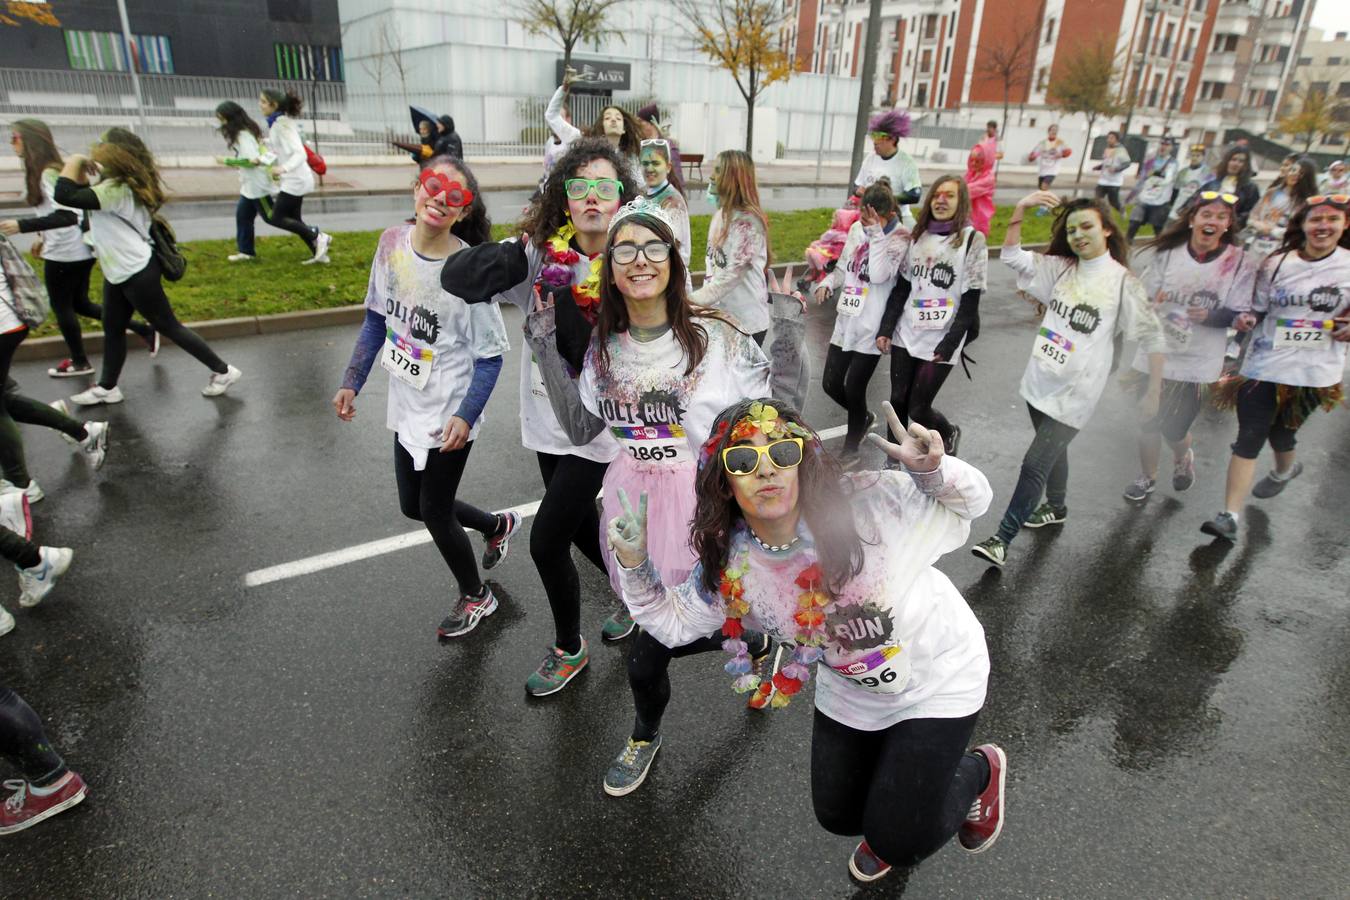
(920, 449)
(628, 532)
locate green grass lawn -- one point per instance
(216, 289)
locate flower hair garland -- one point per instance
(762, 418)
(560, 267)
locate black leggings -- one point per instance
(15, 407)
(649, 678)
(144, 293)
(286, 216)
(847, 373)
(428, 497)
(1111, 194)
(1260, 419)
(906, 788)
(68, 287)
(567, 517)
(24, 744)
(914, 386)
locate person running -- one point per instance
(867, 271)
(738, 251)
(1189, 181)
(121, 208)
(39, 568)
(887, 160)
(1089, 296)
(1047, 156)
(1270, 217)
(1300, 324)
(1115, 160)
(1153, 190)
(1233, 175)
(1336, 179)
(934, 309)
(47, 787)
(1199, 280)
(661, 190)
(295, 179)
(443, 357)
(980, 188)
(243, 137)
(841, 568)
(558, 259)
(67, 260)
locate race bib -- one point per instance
(852, 299)
(1053, 350)
(1177, 327)
(654, 443)
(883, 671)
(406, 361)
(1304, 332)
(934, 313)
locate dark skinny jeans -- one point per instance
(286, 212)
(24, 744)
(847, 373)
(68, 287)
(914, 386)
(567, 518)
(1045, 470)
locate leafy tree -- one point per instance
(567, 22)
(1317, 115)
(744, 37)
(16, 12)
(1085, 83)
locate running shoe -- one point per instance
(36, 583)
(496, 548)
(63, 408)
(1045, 514)
(984, 822)
(1183, 473)
(24, 809)
(865, 865)
(220, 383)
(33, 491)
(556, 670)
(241, 257)
(1224, 525)
(321, 244)
(97, 395)
(95, 445)
(15, 514)
(955, 443)
(1274, 483)
(468, 612)
(6, 622)
(1139, 489)
(993, 549)
(152, 342)
(631, 767)
(68, 368)
(618, 626)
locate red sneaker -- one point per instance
(985, 822)
(23, 809)
(866, 865)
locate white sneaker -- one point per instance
(33, 491)
(321, 245)
(6, 621)
(95, 446)
(96, 395)
(219, 384)
(63, 408)
(15, 514)
(241, 257)
(36, 583)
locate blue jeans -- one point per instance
(1045, 470)
(244, 213)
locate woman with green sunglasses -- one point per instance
(840, 568)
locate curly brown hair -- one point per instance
(630, 143)
(548, 213)
(825, 501)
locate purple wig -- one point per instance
(894, 122)
(648, 113)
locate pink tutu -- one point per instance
(670, 508)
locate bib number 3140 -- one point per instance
(852, 299)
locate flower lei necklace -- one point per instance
(558, 269)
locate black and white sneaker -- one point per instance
(1222, 526)
(468, 612)
(496, 548)
(1139, 489)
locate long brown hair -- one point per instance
(1059, 238)
(613, 319)
(39, 155)
(960, 219)
(1305, 187)
(1178, 231)
(631, 139)
(122, 156)
(824, 498)
(549, 213)
(1295, 239)
(738, 190)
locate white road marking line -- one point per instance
(311, 564)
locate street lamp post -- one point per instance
(866, 88)
(1149, 12)
(131, 64)
(825, 109)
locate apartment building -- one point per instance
(1322, 67)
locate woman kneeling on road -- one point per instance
(842, 568)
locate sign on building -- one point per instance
(594, 75)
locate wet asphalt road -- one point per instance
(1176, 712)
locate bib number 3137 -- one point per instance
(406, 361)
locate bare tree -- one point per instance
(1085, 84)
(566, 22)
(1010, 60)
(744, 37)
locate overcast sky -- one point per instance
(1331, 16)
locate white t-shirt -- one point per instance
(1157, 188)
(1293, 344)
(899, 626)
(254, 182)
(939, 273)
(1086, 302)
(422, 320)
(900, 169)
(734, 279)
(1175, 281)
(292, 163)
(1115, 160)
(1048, 155)
(60, 244)
(1188, 183)
(119, 232)
(867, 269)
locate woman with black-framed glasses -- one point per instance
(841, 568)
